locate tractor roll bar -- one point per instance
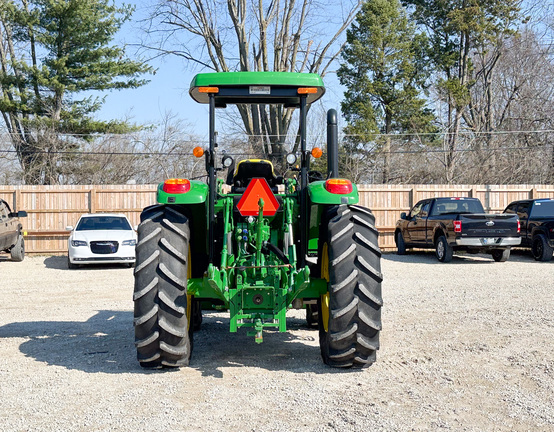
(212, 180)
(304, 163)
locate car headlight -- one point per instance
(76, 243)
(129, 242)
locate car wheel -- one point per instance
(400, 244)
(500, 255)
(17, 252)
(541, 249)
(70, 265)
(443, 250)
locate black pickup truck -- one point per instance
(537, 225)
(11, 232)
(456, 224)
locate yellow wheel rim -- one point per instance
(325, 297)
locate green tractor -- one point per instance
(257, 244)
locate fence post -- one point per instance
(413, 196)
(488, 198)
(533, 193)
(92, 201)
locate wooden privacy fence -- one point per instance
(52, 208)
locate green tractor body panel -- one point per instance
(197, 194)
(256, 87)
(256, 284)
(319, 195)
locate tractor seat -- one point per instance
(254, 168)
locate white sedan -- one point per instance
(101, 238)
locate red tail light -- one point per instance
(458, 226)
(518, 226)
(338, 186)
(175, 186)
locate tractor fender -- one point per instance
(319, 195)
(197, 194)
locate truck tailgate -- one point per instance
(489, 225)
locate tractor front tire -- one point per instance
(312, 315)
(350, 312)
(163, 334)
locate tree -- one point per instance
(51, 51)
(455, 29)
(237, 35)
(384, 73)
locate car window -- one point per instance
(417, 208)
(425, 209)
(511, 209)
(523, 210)
(543, 209)
(96, 223)
(457, 206)
(3, 211)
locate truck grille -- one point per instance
(104, 247)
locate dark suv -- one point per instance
(537, 225)
(11, 232)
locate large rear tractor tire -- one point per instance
(17, 252)
(163, 334)
(350, 312)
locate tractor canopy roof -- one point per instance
(256, 88)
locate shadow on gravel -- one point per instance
(105, 343)
(60, 263)
(56, 262)
(428, 257)
(215, 348)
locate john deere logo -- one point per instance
(489, 223)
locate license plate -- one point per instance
(260, 90)
(488, 241)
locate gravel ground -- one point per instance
(465, 346)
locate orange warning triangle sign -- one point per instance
(257, 188)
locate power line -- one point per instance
(234, 136)
(180, 154)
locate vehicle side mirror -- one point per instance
(21, 213)
(135, 227)
(403, 215)
(69, 228)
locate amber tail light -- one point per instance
(176, 186)
(338, 186)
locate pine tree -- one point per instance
(51, 52)
(384, 73)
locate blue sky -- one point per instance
(167, 90)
